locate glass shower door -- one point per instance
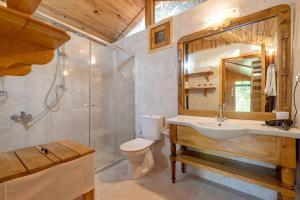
(71, 120)
(111, 102)
(102, 103)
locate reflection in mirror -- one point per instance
(236, 67)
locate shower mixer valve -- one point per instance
(23, 117)
(3, 93)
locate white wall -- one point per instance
(156, 74)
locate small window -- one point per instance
(160, 35)
(242, 96)
(165, 9)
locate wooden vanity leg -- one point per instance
(282, 197)
(89, 195)
(288, 177)
(183, 169)
(173, 162)
(173, 133)
(288, 166)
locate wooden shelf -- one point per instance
(204, 88)
(197, 74)
(258, 175)
(201, 87)
(203, 73)
(26, 41)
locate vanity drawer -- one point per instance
(255, 147)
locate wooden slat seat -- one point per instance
(10, 166)
(25, 161)
(33, 160)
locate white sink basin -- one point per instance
(219, 130)
(231, 128)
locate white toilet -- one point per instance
(138, 151)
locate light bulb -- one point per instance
(66, 73)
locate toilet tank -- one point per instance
(152, 126)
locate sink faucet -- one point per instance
(221, 117)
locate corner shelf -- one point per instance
(26, 41)
(250, 173)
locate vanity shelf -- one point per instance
(204, 88)
(197, 74)
(262, 176)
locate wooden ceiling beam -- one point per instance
(149, 12)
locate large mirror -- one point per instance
(231, 67)
(243, 65)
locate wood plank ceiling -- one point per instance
(106, 19)
(263, 32)
(258, 33)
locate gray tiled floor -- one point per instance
(113, 184)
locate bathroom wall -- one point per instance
(156, 74)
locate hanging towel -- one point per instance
(270, 88)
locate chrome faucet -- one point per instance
(221, 117)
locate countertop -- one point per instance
(252, 126)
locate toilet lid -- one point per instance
(136, 144)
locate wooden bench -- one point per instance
(64, 161)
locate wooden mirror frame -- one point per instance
(284, 70)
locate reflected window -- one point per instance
(165, 9)
(242, 96)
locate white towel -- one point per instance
(270, 88)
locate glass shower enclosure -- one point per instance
(99, 98)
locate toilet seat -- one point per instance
(137, 144)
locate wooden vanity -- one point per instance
(232, 41)
(207, 153)
(57, 170)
